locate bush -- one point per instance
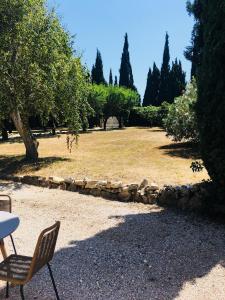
(180, 122)
(149, 115)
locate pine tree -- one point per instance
(126, 75)
(97, 74)
(164, 90)
(146, 99)
(115, 81)
(110, 77)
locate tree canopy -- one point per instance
(126, 74)
(211, 87)
(38, 73)
(108, 101)
(164, 89)
(97, 73)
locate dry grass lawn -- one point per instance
(128, 155)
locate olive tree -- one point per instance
(38, 73)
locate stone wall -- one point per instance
(188, 197)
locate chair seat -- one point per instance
(15, 268)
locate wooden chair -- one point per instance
(6, 205)
(18, 269)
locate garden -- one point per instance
(71, 140)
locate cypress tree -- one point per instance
(126, 75)
(110, 77)
(177, 80)
(146, 99)
(152, 88)
(164, 90)
(211, 87)
(155, 84)
(193, 52)
(116, 81)
(97, 74)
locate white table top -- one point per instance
(8, 223)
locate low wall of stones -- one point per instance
(188, 197)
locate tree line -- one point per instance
(126, 79)
(163, 84)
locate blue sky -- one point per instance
(102, 24)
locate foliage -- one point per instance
(110, 77)
(149, 115)
(126, 75)
(39, 76)
(211, 87)
(152, 87)
(164, 89)
(145, 116)
(108, 101)
(146, 99)
(177, 80)
(97, 74)
(193, 52)
(167, 84)
(180, 122)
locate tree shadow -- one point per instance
(146, 256)
(18, 164)
(184, 150)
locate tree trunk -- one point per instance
(120, 122)
(105, 122)
(5, 135)
(22, 126)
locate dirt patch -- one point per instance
(111, 250)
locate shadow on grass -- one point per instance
(15, 164)
(184, 150)
(146, 256)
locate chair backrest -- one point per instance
(44, 249)
(5, 203)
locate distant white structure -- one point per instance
(112, 123)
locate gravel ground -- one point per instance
(109, 250)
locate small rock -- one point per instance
(56, 179)
(79, 182)
(133, 187)
(143, 184)
(154, 186)
(69, 180)
(91, 184)
(116, 185)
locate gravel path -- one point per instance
(109, 250)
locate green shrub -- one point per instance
(180, 122)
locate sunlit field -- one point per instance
(128, 155)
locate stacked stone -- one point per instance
(185, 197)
(144, 193)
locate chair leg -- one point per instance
(13, 244)
(7, 290)
(21, 292)
(53, 281)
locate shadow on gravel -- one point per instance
(184, 150)
(14, 164)
(147, 256)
